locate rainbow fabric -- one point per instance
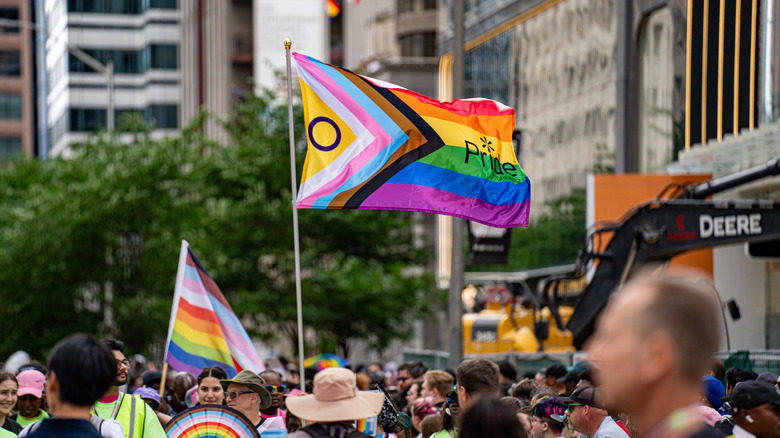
(377, 146)
(325, 360)
(332, 8)
(203, 330)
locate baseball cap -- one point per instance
(31, 382)
(584, 395)
(151, 377)
(556, 370)
(147, 392)
(713, 389)
(770, 378)
(752, 393)
(571, 376)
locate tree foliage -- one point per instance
(91, 243)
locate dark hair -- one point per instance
(84, 368)
(507, 369)
(32, 366)
(113, 344)
(591, 376)
(278, 374)
(415, 369)
(544, 390)
(478, 376)
(718, 369)
(738, 375)
(5, 375)
(488, 416)
(216, 372)
(524, 388)
(514, 403)
(447, 422)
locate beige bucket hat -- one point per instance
(336, 398)
(255, 383)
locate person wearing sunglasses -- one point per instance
(273, 383)
(450, 416)
(587, 417)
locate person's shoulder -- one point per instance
(4, 433)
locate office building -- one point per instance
(140, 37)
(17, 76)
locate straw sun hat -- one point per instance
(336, 398)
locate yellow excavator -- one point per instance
(651, 233)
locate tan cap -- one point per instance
(336, 398)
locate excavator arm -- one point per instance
(662, 229)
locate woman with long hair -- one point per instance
(8, 398)
(210, 391)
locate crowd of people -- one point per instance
(651, 374)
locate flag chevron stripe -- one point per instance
(454, 158)
(204, 330)
(357, 156)
(433, 144)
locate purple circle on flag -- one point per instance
(314, 143)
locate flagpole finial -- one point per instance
(287, 43)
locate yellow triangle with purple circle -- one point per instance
(327, 133)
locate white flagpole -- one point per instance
(296, 238)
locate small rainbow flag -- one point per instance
(377, 146)
(333, 8)
(203, 330)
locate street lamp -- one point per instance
(107, 69)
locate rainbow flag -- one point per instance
(203, 330)
(332, 8)
(377, 146)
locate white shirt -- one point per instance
(739, 432)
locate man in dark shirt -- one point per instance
(81, 370)
(653, 344)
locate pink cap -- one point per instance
(31, 382)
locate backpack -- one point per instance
(317, 431)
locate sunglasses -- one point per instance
(403, 379)
(275, 388)
(571, 406)
(234, 394)
(452, 400)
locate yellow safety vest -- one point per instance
(131, 414)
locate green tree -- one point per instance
(91, 243)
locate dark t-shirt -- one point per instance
(706, 432)
(65, 428)
(12, 425)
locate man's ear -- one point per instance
(463, 396)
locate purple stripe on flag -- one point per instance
(391, 196)
(180, 366)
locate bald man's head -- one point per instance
(654, 329)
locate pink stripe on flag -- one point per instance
(407, 197)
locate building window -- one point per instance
(415, 5)
(10, 63)
(163, 4)
(164, 56)
(156, 56)
(94, 119)
(9, 14)
(10, 106)
(418, 44)
(119, 6)
(10, 146)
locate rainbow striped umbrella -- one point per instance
(325, 360)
